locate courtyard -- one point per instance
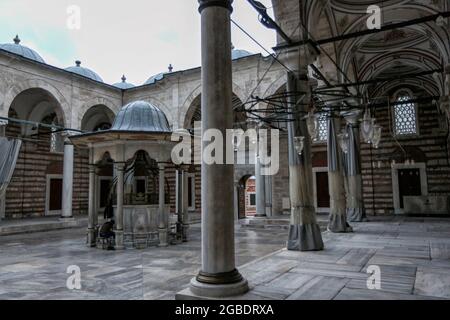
(413, 255)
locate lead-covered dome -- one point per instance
(237, 54)
(21, 50)
(85, 72)
(141, 116)
(124, 84)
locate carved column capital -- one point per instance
(203, 4)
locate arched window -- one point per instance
(405, 114)
(323, 127)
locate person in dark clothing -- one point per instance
(107, 230)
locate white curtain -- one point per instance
(9, 152)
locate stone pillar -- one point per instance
(260, 188)
(218, 276)
(66, 212)
(185, 206)
(355, 204)
(304, 231)
(120, 167)
(163, 228)
(338, 216)
(92, 211)
(268, 190)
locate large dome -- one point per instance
(141, 116)
(155, 78)
(124, 84)
(85, 72)
(237, 54)
(20, 50)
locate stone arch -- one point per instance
(114, 108)
(16, 89)
(183, 113)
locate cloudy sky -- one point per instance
(136, 37)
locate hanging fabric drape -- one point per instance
(338, 215)
(355, 204)
(9, 152)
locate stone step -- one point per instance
(280, 222)
(10, 227)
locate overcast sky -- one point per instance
(138, 38)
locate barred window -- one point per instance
(56, 141)
(323, 127)
(405, 117)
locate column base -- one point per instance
(206, 290)
(185, 232)
(91, 239)
(66, 219)
(119, 240)
(338, 224)
(306, 237)
(163, 237)
(356, 215)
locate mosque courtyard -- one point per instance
(413, 255)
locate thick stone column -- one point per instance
(185, 206)
(218, 276)
(163, 228)
(260, 188)
(338, 215)
(355, 204)
(304, 232)
(66, 212)
(92, 211)
(120, 167)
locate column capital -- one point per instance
(203, 4)
(352, 117)
(92, 168)
(119, 166)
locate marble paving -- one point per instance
(413, 255)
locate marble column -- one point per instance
(218, 276)
(66, 212)
(268, 190)
(185, 206)
(304, 231)
(338, 215)
(162, 228)
(120, 167)
(92, 212)
(260, 188)
(355, 204)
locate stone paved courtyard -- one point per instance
(413, 255)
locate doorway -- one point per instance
(54, 195)
(321, 190)
(408, 184)
(408, 180)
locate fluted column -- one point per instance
(92, 212)
(260, 187)
(304, 231)
(338, 216)
(218, 276)
(355, 204)
(163, 228)
(66, 212)
(120, 167)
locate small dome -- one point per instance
(237, 54)
(85, 72)
(124, 84)
(20, 50)
(141, 116)
(155, 78)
